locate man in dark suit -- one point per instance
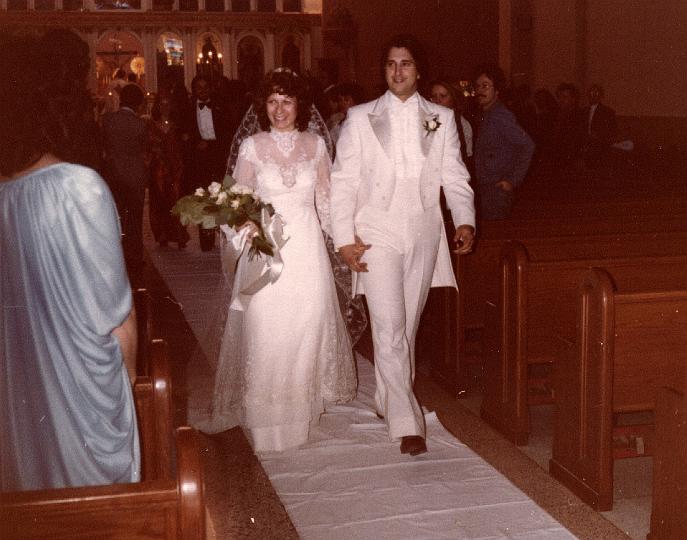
(600, 128)
(125, 139)
(208, 144)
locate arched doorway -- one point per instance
(210, 57)
(290, 53)
(118, 60)
(170, 59)
(251, 60)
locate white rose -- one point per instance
(214, 189)
(235, 204)
(222, 197)
(200, 192)
(241, 190)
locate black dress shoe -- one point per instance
(413, 445)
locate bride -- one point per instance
(289, 352)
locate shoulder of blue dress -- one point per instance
(82, 182)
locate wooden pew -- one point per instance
(669, 500)
(143, 301)
(167, 504)
(628, 344)
(478, 273)
(534, 308)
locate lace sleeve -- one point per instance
(244, 171)
(323, 168)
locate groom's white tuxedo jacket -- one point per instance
(363, 174)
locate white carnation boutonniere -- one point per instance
(431, 123)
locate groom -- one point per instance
(392, 157)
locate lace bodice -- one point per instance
(288, 168)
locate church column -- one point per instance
(189, 41)
(306, 53)
(270, 51)
(232, 56)
(253, 5)
(91, 39)
(225, 38)
(150, 56)
(279, 6)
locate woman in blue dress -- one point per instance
(67, 324)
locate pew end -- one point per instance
(583, 418)
(669, 499)
(164, 508)
(628, 345)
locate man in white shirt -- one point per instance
(393, 156)
(208, 146)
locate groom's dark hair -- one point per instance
(410, 42)
(286, 83)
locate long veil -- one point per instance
(352, 308)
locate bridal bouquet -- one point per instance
(226, 204)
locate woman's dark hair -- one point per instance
(492, 72)
(285, 82)
(410, 42)
(46, 107)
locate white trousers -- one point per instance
(400, 265)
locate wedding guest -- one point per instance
(63, 61)
(166, 172)
(348, 95)
(503, 150)
(601, 128)
(114, 90)
(68, 332)
(546, 109)
(569, 129)
(207, 136)
(444, 93)
(393, 156)
(288, 354)
(125, 144)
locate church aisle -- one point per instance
(350, 481)
(449, 493)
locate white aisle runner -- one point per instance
(350, 482)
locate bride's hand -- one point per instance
(253, 229)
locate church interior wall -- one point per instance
(458, 34)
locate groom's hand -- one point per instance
(352, 253)
(464, 238)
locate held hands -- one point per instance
(464, 238)
(351, 254)
(505, 185)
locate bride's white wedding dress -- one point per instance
(288, 353)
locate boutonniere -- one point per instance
(431, 124)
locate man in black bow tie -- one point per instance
(207, 145)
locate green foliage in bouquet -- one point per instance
(226, 204)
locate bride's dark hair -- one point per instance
(283, 81)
